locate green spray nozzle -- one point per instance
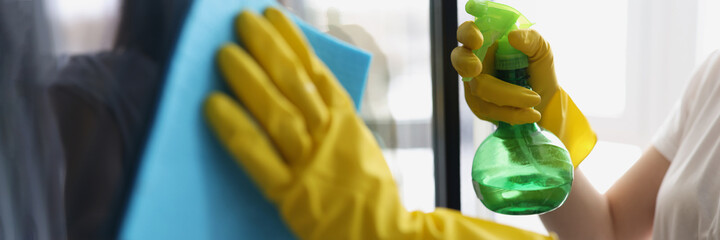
(494, 20)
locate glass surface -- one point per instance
(397, 105)
(83, 26)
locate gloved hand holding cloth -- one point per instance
(294, 129)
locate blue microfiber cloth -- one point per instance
(188, 187)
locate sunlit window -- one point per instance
(397, 105)
(83, 26)
(577, 30)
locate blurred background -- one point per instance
(624, 63)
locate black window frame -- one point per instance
(446, 109)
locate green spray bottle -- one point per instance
(518, 169)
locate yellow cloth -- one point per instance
(494, 100)
(298, 136)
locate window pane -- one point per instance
(83, 26)
(574, 32)
(397, 105)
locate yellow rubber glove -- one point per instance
(299, 138)
(494, 100)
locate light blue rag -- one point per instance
(188, 187)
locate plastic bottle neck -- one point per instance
(518, 77)
(505, 129)
(515, 76)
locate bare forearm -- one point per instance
(585, 214)
(626, 211)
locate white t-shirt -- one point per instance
(688, 202)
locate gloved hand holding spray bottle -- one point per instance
(519, 169)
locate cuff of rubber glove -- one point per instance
(563, 118)
(451, 224)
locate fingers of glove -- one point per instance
(490, 112)
(502, 93)
(469, 35)
(465, 62)
(292, 36)
(277, 58)
(531, 43)
(542, 68)
(280, 118)
(331, 92)
(247, 143)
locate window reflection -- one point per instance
(397, 103)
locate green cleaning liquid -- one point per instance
(520, 174)
(523, 195)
